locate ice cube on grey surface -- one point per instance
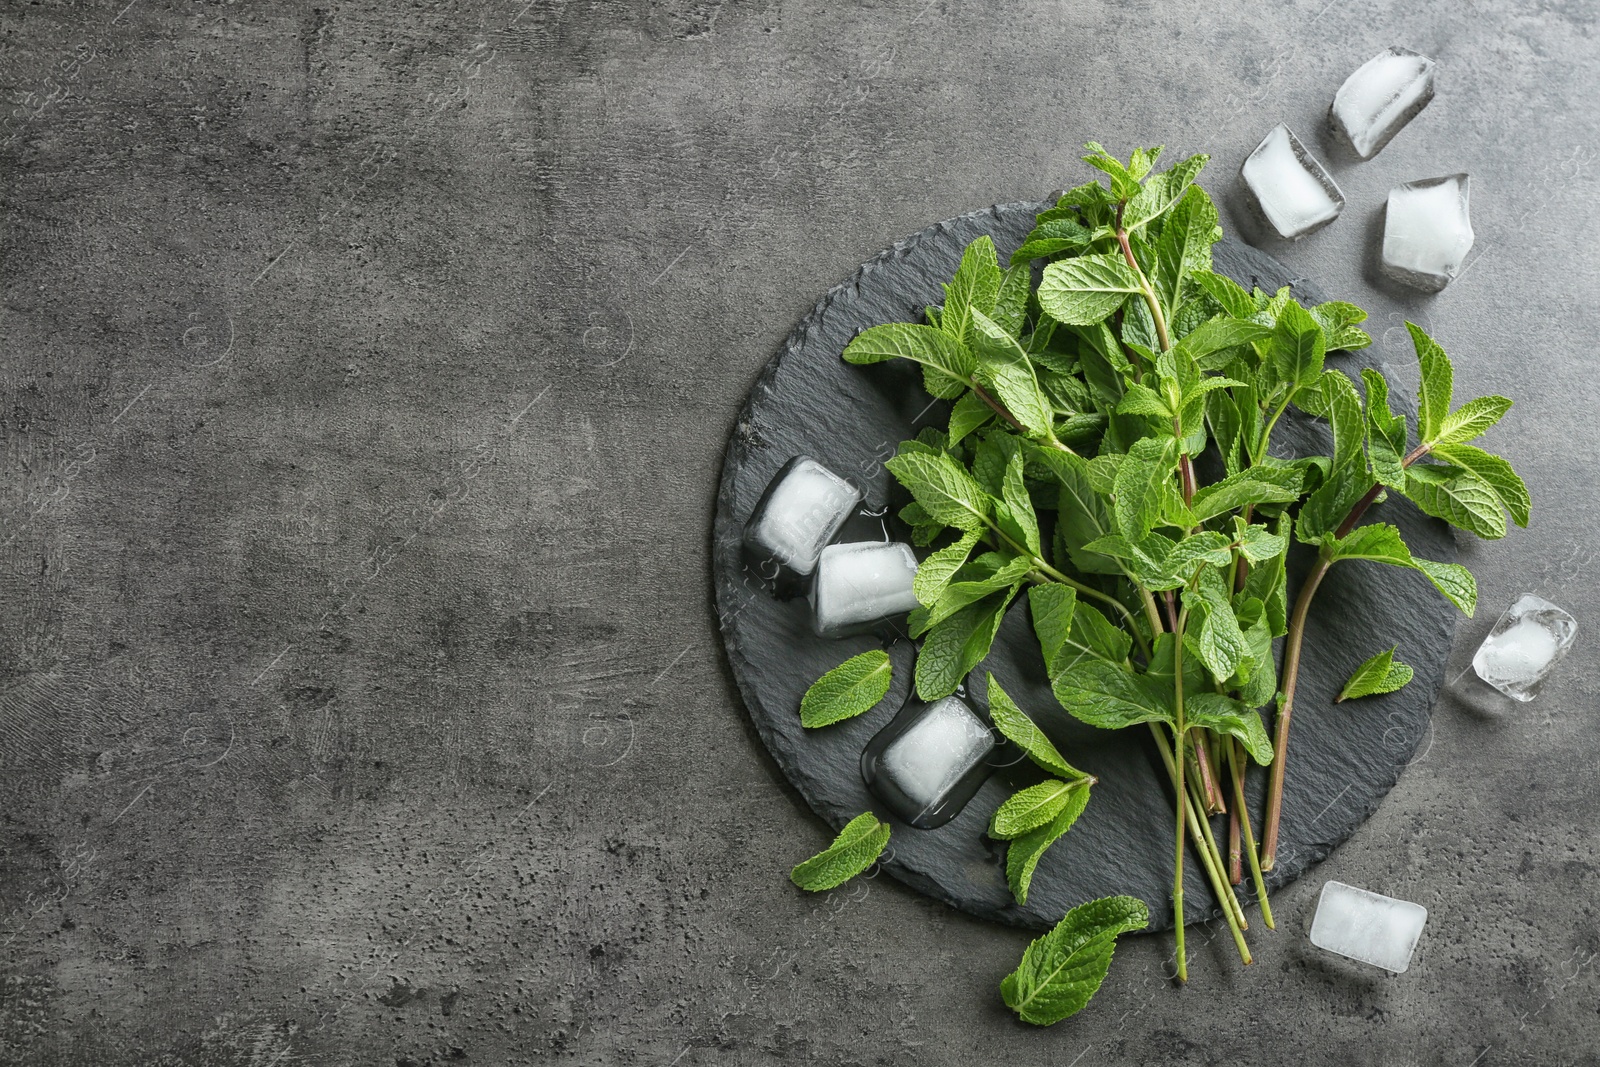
(938, 750)
(1427, 231)
(803, 507)
(1367, 926)
(1293, 190)
(1524, 646)
(858, 585)
(1376, 102)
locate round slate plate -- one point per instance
(1342, 758)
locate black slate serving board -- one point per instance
(1343, 757)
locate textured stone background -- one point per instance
(367, 369)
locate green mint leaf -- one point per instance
(1082, 515)
(1161, 192)
(1083, 291)
(1023, 524)
(969, 413)
(1458, 496)
(958, 644)
(991, 456)
(1338, 320)
(1011, 302)
(943, 488)
(857, 847)
(854, 686)
(1380, 674)
(1111, 697)
(1062, 970)
(1123, 183)
(1014, 724)
(1184, 245)
(1471, 419)
(935, 572)
(958, 594)
(1022, 855)
(1327, 507)
(1214, 341)
(1382, 543)
(1386, 433)
(1227, 292)
(1051, 606)
(1033, 807)
(1255, 542)
(1438, 384)
(1297, 346)
(1268, 583)
(948, 365)
(975, 287)
(1049, 236)
(1137, 489)
(1006, 368)
(1143, 400)
(1496, 472)
(1225, 715)
(1257, 485)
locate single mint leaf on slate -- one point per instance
(1016, 726)
(943, 488)
(854, 686)
(1030, 808)
(1438, 384)
(857, 847)
(1380, 674)
(1022, 855)
(1062, 970)
(1083, 291)
(1496, 472)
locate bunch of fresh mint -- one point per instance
(1079, 405)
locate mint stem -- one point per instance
(1273, 813)
(1236, 760)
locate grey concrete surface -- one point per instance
(367, 369)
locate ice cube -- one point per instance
(859, 585)
(1367, 926)
(1376, 102)
(1526, 642)
(803, 507)
(1294, 191)
(934, 754)
(1427, 232)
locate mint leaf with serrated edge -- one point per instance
(857, 848)
(1022, 855)
(1062, 970)
(1380, 674)
(853, 687)
(1017, 727)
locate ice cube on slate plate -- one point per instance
(1427, 232)
(1376, 102)
(803, 507)
(927, 763)
(1294, 190)
(1366, 926)
(858, 585)
(1527, 641)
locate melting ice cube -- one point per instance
(1526, 642)
(858, 585)
(803, 507)
(1375, 103)
(1294, 190)
(1367, 926)
(927, 763)
(1427, 232)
